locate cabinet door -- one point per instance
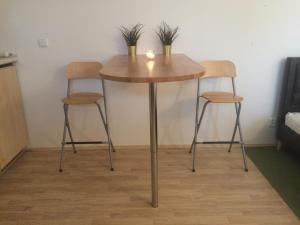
(13, 131)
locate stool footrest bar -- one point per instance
(217, 142)
(85, 142)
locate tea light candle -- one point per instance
(150, 54)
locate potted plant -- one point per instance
(131, 36)
(167, 36)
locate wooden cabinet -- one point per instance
(13, 131)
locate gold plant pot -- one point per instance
(132, 51)
(167, 50)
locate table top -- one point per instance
(178, 67)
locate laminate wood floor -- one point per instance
(32, 192)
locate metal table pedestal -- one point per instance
(153, 143)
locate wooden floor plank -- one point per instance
(88, 193)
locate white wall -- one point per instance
(257, 35)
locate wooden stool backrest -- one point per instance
(219, 68)
(83, 70)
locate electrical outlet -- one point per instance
(273, 122)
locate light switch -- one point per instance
(43, 42)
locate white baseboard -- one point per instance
(134, 147)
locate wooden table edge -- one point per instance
(152, 80)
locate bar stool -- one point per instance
(80, 71)
(218, 69)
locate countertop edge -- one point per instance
(8, 60)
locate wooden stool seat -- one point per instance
(82, 98)
(221, 97)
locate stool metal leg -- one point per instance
(197, 126)
(197, 112)
(106, 115)
(66, 109)
(107, 133)
(66, 127)
(234, 130)
(241, 136)
(196, 122)
(196, 133)
(62, 146)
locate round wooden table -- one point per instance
(178, 67)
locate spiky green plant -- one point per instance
(131, 35)
(166, 34)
